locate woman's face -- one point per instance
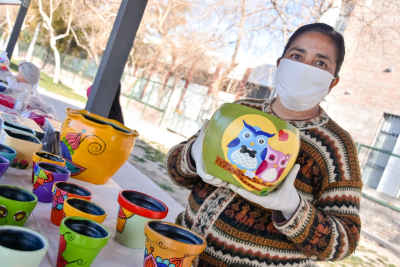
(314, 49)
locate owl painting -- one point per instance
(248, 150)
(273, 166)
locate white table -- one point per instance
(112, 255)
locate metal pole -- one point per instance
(17, 27)
(115, 56)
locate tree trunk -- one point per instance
(242, 86)
(189, 77)
(57, 60)
(33, 42)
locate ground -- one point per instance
(148, 156)
(367, 254)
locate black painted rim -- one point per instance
(10, 150)
(54, 168)
(49, 156)
(77, 218)
(73, 200)
(152, 226)
(62, 186)
(29, 231)
(22, 190)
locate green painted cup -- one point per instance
(21, 247)
(81, 240)
(16, 204)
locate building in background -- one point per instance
(366, 103)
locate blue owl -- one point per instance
(249, 149)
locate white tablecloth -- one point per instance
(112, 255)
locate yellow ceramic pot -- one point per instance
(74, 206)
(171, 244)
(93, 146)
(24, 144)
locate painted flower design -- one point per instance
(68, 145)
(14, 164)
(58, 198)
(61, 261)
(74, 139)
(23, 164)
(150, 261)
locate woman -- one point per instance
(115, 111)
(314, 215)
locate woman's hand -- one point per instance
(197, 155)
(286, 199)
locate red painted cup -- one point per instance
(62, 191)
(136, 209)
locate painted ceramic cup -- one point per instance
(81, 240)
(169, 243)
(16, 204)
(62, 191)
(45, 175)
(18, 128)
(84, 208)
(135, 210)
(24, 144)
(21, 247)
(8, 152)
(94, 147)
(249, 148)
(46, 157)
(4, 164)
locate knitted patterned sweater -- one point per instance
(326, 225)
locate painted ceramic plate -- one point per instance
(249, 148)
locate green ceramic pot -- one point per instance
(21, 247)
(249, 148)
(16, 204)
(81, 240)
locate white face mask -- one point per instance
(300, 86)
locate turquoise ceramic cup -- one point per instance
(8, 152)
(21, 247)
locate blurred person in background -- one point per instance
(28, 75)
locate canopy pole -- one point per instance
(115, 56)
(17, 27)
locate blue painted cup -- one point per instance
(8, 153)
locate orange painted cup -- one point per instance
(62, 191)
(170, 243)
(46, 157)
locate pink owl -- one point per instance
(273, 165)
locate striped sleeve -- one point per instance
(177, 164)
(328, 228)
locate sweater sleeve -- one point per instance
(179, 166)
(328, 229)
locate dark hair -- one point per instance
(116, 111)
(327, 30)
